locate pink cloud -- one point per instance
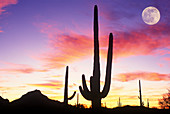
(64, 47)
(68, 46)
(161, 65)
(54, 84)
(4, 3)
(22, 70)
(67, 49)
(0, 29)
(150, 76)
(138, 43)
(19, 68)
(167, 59)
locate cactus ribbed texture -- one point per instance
(66, 89)
(94, 93)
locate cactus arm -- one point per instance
(85, 91)
(84, 84)
(108, 68)
(72, 95)
(85, 94)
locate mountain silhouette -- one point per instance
(34, 98)
(3, 102)
(36, 102)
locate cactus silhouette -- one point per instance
(148, 103)
(119, 103)
(66, 89)
(94, 93)
(77, 99)
(140, 95)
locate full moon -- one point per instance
(151, 15)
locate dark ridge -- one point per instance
(34, 98)
(31, 97)
(36, 102)
(3, 102)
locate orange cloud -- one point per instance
(150, 76)
(68, 46)
(54, 84)
(66, 49)
(4, 3)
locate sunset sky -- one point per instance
(39, 38)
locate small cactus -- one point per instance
(77, 99)
(119, 103)
(140, 95)
(66, 89)
(148, 103)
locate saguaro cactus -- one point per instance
(66, 89)
(119, 103)
(140, 94)
(148, 103)
(77, 99)
(94, 93)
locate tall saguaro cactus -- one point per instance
(94, 93)
(66, 89)
(140, 94)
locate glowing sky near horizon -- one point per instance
(39, 38)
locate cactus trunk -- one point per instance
(96, 101)
(140, 94)
(119, 103)
(95, 95)
(66, 89)
(77, 99)
(148, 103)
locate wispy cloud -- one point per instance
(22, 70)
(0, 29)
(64, 47)
(68, 46)
(167, 59)
(138, 43)
(19, 68)
(150, 76)
(53, 84)
(4, 3)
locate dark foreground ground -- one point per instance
(35, 102)
(71, 109)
